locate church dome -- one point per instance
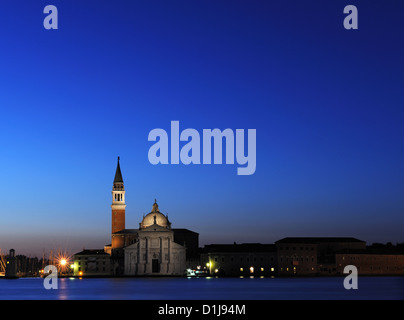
(155, 217)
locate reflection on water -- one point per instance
(202, 288)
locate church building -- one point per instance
(154, 248)
(154, 251)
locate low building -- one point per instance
(312, 255)
(296, 258)
(371, 261)
(91, 263)
(246, 259)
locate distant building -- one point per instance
(371, 261)
(312, 255)
(246, 259)
(329, 256)
(303, 256)
(11, 265)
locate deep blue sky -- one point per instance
(327, 104)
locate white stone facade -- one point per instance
(154, 253)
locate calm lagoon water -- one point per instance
(369, 288)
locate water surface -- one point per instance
(203, 289)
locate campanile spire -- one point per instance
(118, 175)
(118, 205)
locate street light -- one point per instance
(209, 265)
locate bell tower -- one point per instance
(118, 207)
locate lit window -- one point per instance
(241, 269)
(251, 269)
(262, 269)
(272, 269)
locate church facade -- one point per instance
(154, 252)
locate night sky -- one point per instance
(327, 104)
